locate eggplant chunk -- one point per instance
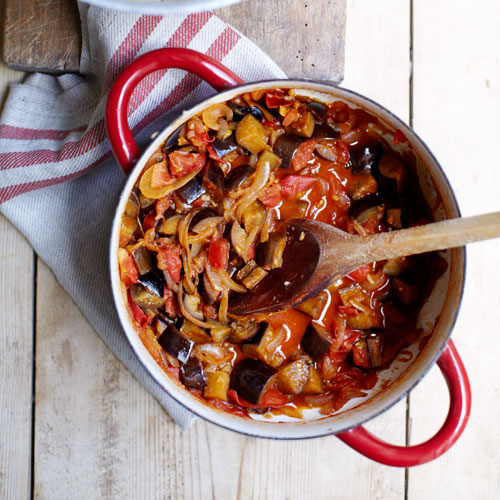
(154, 282)
(208, 293)
(393, 217)
(285, 148)
(374, 345)
(173, 342)
(318, 110)
(266, 345)
(360, 354)
(239, 111)
(246, 270)
(243, 330)
(213, 182)
(363, 160)
(252, 280)
(191, 191)
(314, 306)
(224, 146)
(369, 207)
(314, 383)
(316, 342)
(238, 177)
(251, 134)
(217, 385)
(144, 298)
(271, 253)
(250, 379)
(293, 377)
(192, 374)
(144, 260)
(397, 266)
(363, 185)
(405, 292)
(324, 131)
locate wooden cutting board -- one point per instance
(44, 35)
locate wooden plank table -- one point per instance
(75, 424)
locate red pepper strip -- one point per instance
(272, 398)
(399, 137)
(271, 196)
(218, 253)
(169, 260)
(292, 185)
(149, 221)
(361, 273)
(138, 314)
(269, 123)
(349, 311)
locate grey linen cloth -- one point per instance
(59, 184)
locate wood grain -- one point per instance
(16, 366)
(304, 37)
(42, 35)
(456, 105)
(16, 350)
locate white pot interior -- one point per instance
(437, 316)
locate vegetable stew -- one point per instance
(201, 226)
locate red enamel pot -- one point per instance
(437, 316)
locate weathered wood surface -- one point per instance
(304, 37)
(42, 35)
(456, 110)
(16, 351)
(98, 434)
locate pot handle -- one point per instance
(122, 141)
(457, 380)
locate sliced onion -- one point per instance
(251, 193)
(232, 285)
(224, 304)
(187, 314)
(211, 353)
(249, 242)
(215, 279)
(191, 303)
(171, 284)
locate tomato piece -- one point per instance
(347, 310)
(171, 307)
(277, 98)
(271, 196)
(339, 111)
(303, 155)
(269, 123)
(181, 163)
(213, 154)
(162, 205)
(360, 273)
(137, 313)
(197, 135)
(290, 117)
(293, 185)
(175, 372)
(129, 273)
(272, 398)
(399, 137)
(218, 253)
(169, 260)
(161, 176)
(149, 221)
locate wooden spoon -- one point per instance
(317, 254)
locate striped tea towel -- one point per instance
(59, 183)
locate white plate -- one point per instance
(161, 6)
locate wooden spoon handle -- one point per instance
(436, 236)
